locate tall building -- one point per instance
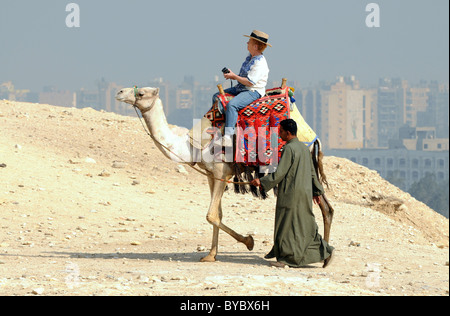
(88, 99)
(437, 112)
(416, 102)
(309, 103)
(53, 96)
(390, 109)
(202, 99)
(9, 92)
(185, 99)
(348, 116)
(104, 98)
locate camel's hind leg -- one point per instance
(325, 206)
(214, 217)
(327, 213)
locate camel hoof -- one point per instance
(249, 242)
(208, 258)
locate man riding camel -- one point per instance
(252, 81)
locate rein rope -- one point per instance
(170, 151)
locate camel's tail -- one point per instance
(318, 163)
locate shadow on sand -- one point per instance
(188, 257)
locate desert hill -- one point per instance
(89, 206)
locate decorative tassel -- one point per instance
(253, 189)
(236, 179)
(236, 186)
(263, 193)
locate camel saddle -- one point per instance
(257, 139)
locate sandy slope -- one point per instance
(72, 224)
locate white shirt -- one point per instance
(256, 70)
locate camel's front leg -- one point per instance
(214, 217)
(211, 257)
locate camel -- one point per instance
(174, 143)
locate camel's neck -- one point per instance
(163, 135)
(157, 123)
(156, 120)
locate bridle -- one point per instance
(136, 94)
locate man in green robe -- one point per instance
(296, 239)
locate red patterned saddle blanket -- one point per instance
(257, 140)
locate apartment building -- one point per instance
(349, 117)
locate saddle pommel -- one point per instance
(222, 92)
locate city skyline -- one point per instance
(273, 82)
(133, 43)
(368, 117)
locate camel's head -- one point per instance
(143, 98)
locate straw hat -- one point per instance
(260, 37)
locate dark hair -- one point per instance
(290, 126)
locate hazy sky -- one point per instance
(131, 42)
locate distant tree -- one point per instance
(396, 179)
(432, 193)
